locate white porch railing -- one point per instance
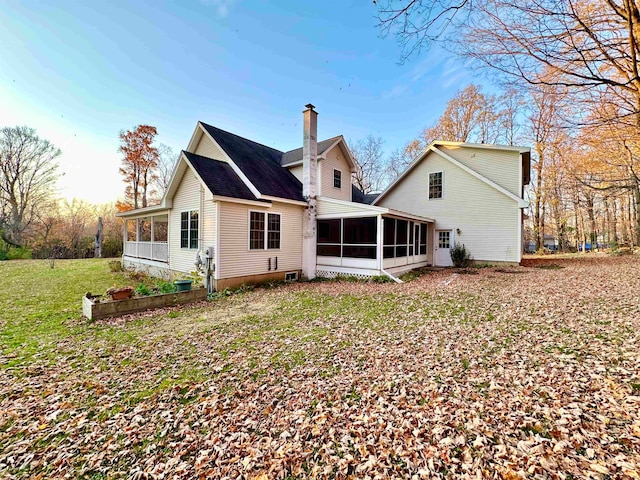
(150, 250)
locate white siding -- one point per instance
(335, 160)
(187, 197)
(488, 220)
(208, 148)
(297, 172)
(331, 208)
(499, 166)
(208, 224)
(236, 260)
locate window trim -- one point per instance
(342, 243)
(408, 244)
(266, 231)
(441, 172)
(339, 178)
(188, 212)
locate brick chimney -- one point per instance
(309, 190)
(310, 152)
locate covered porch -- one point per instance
(146, 234)
(365, 241)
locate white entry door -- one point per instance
(442, 251)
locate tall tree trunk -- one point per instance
(636, 194)
(98, 240)
(614, 226)
(538, 228)
(593, 236)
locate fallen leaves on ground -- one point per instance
(492, 375)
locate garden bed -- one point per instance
(95, 310)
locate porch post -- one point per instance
(151, 251)
(137, 237)
(380, 241)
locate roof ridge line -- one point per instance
(243, 138)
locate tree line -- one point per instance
(571, 81)
(36, 222)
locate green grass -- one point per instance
(41, 305)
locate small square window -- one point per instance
(435, 185)
(444, 239)
(337, 178)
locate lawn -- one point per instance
(520, 372)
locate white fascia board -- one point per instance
(139, 212)
(232, 164)
(176, 177)
(283, 200)
(512, 148)
(362, 206)
(345, 150)
(221, 198)
(329, 216)
(482, 178)
(294, 164)
(411, 166)
(195, 138)
(398, 213)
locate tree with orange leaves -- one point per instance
(139, 163)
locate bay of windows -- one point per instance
(264, 230)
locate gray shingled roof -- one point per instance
(219, 177)
(358, 196)
(294, 156)
(260, 164)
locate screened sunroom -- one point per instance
(371, 241)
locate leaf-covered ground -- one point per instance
(522, 372)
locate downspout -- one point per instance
(395, 279)
(199, 264)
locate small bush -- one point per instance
(460, 255)
(115, 266)
(166, 287)
(20, 253)
(380, 279)
(143, 290)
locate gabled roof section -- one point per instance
(219, 177)
(259, 163)
(434, 148)
(358, 196)
(295, 156)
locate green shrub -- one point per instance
(460, 255)
(20, 253)
(143, 290)
(166, 287)
(380, 279)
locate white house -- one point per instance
(474, 192)
(241, 212)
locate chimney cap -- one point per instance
(310, 106)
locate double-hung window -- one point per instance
(264, 231)
(337, 178)
(435, 185)
(189, 226)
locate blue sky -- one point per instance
(79, 72)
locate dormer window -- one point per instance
(337, 178)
